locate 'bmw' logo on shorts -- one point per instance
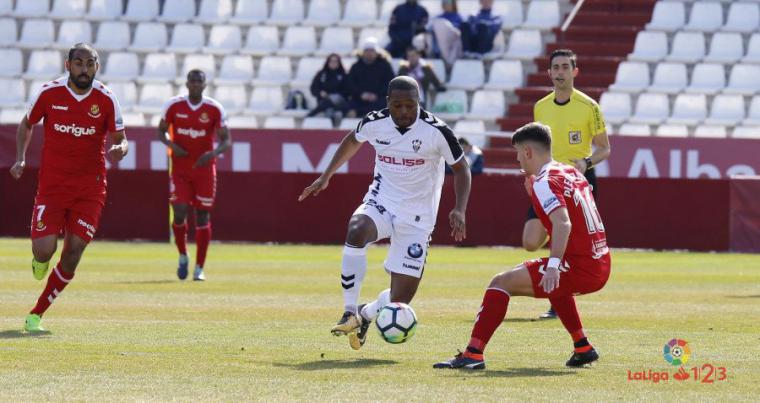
(415, 250)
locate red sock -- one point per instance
(57, 281)
(180, 237)
(202, 238)
(492, 313)
(571, 319)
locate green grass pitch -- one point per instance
(258, 329)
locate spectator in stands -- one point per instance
(473, 155)
(330, 87)
(445, 34)
(407, 20)
(416, 67)
(368, 79)
(479, 31)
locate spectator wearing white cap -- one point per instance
(368, 79)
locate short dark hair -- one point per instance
(566, 53)
(82, 46)
(403, 83)
(534, 132)
(196, 71)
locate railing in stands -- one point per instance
(571, 16)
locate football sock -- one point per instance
(180, 237)
(370, 310)
(352, 271)
(202, 238)
(492, 313)
(57, 281)
(568, 314)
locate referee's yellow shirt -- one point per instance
(574, 125)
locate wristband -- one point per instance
(589, 163)
(553, 263)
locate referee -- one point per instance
(576, 124)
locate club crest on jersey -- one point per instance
(416, 144)
(94, 111)
(415, 250)
(41, 226)
(204, 117)
(575, 137)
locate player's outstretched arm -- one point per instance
(462, 184)
(23, 137)
(561, 227)
(347, 149)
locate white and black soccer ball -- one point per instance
(396, 322)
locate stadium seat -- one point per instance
(668, 16)
(433, 7)
(746, 132)
(631, 129)
(672, 131)
(6, 8)
(524, 44)
(153, 97)
(707, 79)
(689, 109)
(338, 40)
(542, 14)
(273, 70)
(349, 123)
(651, 109)
(317, 123)
(286, 12)
(381, 34)
(649, 47)
(242, 122)
(743, 17)
(753, 50)
(201, 61)
(250, 12)
(450, 105)
(186, 38)
(386, 10)
(104, 10)
(223, 40)
(359, 13)
(705, 17)
(149, 37)
(121, 66)
(12, 65)
(469, 127)
(234, 98)
(71, 32)
(467, 75)
(65, 9)
(12, 93)
(235, 70)
(669, 78)
(265, 101)
(176, 11)
(133, 119)
(322, 13)
(35, 87)
(709, 131)
(214, 12)
(36, 34)
(8, 30)
(616, 106)
(688, 47)
(505, 75)
(10, 116)
(125, 92)
(31, 8)
(631, 77)
(725, 47)
(511, 12)
(487, 105)
(44, 65)
(439, 68)
(298, 41)
(112, 36)
(158, 68)
(261, 41)
(469, 7)
(726, 110)
(753, 116)
(306, 70)
(744, 79)
(141, 11)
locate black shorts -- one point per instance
(590, 177)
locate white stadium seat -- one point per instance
(273, 70)
(707, 78)
(201, 61)
(112, 36)
(6, 7)
(286, 12)
(36, 34)
(381, 34)
(726, 110)
(616, 106)
(542, 14)
(149, 37)
(688, 47)
(12, 93)
(306, 70)
(224, 39)
(669, 78)
(261, 41)
(705, 16)
(317, 123)
(186, 38)
(349, 123)
(242, 122)
(104, 10)
(141, 11)
(467, 75)
(121, 66)
(176, 11)
(8, 32)
(744, 79)
(649, 47)
(725, 47)
(469, 7)
(11, 116)
(12, 65)
(159, 68)
(746, 132)
(338, 40)
(469, 127)
(651, 109)
(487, 105)
(439, 68)
(743, 17)
(524, 44)
(235, 70)
(433, 7)
(631, 77)
(631, 129)
(233, 97)
(511, 12)
(265, 101)
(44, 65)
(753, 116)
(322, 13)
(299, 41)
(250, 12)
(214, 12)
(689, 109)
(34, 88)
(672, 131)
(71, 32)
(505, 75)
(133, 119)
(359, 13)
(450, 105)
(386, 9)
(710, 131)
(31, 8)
(125, 92)
(64, 9)
(153, 97)
(668, 16)
(753, 50)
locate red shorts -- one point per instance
(196, 187)
(76, 213)
(578, 275)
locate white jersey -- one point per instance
(409, 164)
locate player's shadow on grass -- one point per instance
(18, 334)
(133, 282)
(514, 320)
(336, 364)
(744, 296)
(521, 373)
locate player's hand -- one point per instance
(177, 151)
(319, 185)
(116, 153)
(457, 223)
(550, 281)
(17, 169)
(580, 165)
(529, 180)
(204, 159)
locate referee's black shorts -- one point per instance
(590, 177)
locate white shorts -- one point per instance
(409, 244)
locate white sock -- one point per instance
(352, 272)
(370, 310)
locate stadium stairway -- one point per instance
(602, 34)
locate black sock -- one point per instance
(581, 343)
(473, 350)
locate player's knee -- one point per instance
(502, 281)
(180, 214)
(43, 253)
(359, 232)
(202, 218)
(531, 245)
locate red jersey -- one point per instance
(75, 128)
(192, 127)
(559, 185)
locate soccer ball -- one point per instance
(396, 322)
